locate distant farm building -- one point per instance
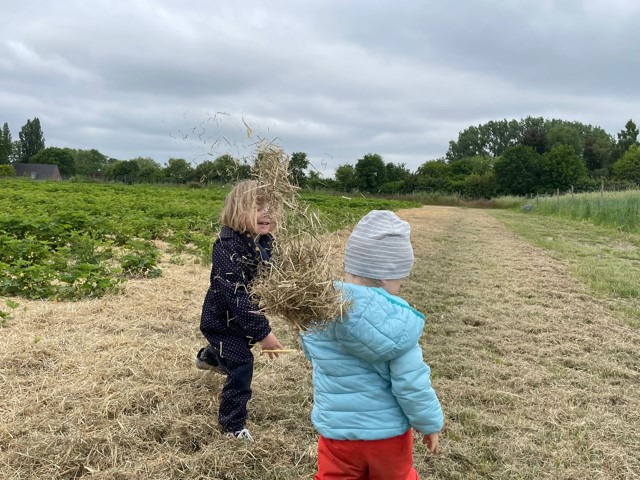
(37, 171)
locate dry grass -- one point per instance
(271, 169)
(537, 379)
(107, 389)
(297, 284)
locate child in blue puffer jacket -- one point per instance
(371, 385)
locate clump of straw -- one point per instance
(271, 170)
(297, 284)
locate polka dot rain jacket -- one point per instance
(230, 320)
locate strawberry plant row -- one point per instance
(67, 241)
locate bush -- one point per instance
(7, 171)
(628, 167)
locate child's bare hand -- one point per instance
(431, 441)
(270, 342)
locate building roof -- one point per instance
(37, 171)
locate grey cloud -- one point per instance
(335, 79)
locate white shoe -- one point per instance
(243, 434)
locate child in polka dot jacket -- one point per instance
(230, 320)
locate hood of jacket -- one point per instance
(378, 326)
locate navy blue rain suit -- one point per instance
(230, 320)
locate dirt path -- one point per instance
(538, 379)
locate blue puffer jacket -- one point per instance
(370, 381)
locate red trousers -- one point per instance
(388, 459)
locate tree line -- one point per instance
(30, 148)
(20, 151)
(529, 156)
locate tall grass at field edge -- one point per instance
(620, 210)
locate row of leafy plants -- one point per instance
(67, 241)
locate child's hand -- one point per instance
(431, 441)
(270, 342)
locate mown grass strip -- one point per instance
(607, 260)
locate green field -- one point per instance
(65, 240)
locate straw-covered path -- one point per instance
(538, 379)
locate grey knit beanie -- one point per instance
(379, 247)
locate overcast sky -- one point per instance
(334, 78)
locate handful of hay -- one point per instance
(297, 284)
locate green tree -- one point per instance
(315, 181)
(565, 133)
(433, 176)
(628, 167)
(227, 169)
(16, 152)
(122, 171)
(31, 140)
(517, 170)
(5, 145)
(345, 177)
(297, 166)
(370, 173)
(479, 185)
(395, 187)
(626, 138)
(205, 172)
(469, 165)
(178, 170)
(434, 168)
(561, 168)
(396, 176)
(598, 147)
(396, 172)
(489, 139)
(149, 171)
(56, 156)
(496, 136)
(243, 171)
(468, 144)
(224, 169)
(534, 133)
(89, 162)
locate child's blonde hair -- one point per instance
(240, 210)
